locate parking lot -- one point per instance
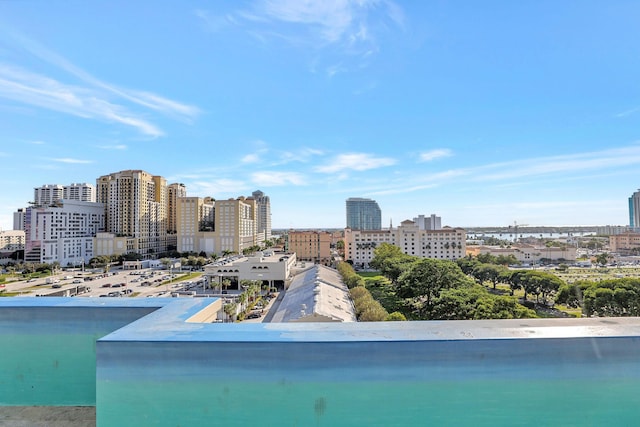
(117, 283)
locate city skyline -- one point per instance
(483, 114)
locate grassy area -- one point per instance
(9, 294)
(180, 278)
(597, 274)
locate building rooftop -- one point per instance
(316, 295)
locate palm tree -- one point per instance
(243, 298)
(230, 310)
(226, 283)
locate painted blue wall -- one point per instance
(582, 372)
(48, 350)
(162, 370)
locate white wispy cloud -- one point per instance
(302, 155)
(41, 91)
(113, 147)
(628, 112)
(519, 172)
(565, 164)
(37, 142)
(427, 156)
(332, 18)
(216, 187)
(400, 190)
(355, 161)
(71, 161)
(250, 158)
(342, 28)
(90, 97)
(275, 178)
(215, 22)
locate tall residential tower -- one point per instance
(634, 210)
(176, 191)
(263, 215)
(136, 208)
(363, 214)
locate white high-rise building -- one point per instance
(18, 219)
(53, 193)
(83, 192)
(48, 194)
(263, 215)
(62, 232)
(432, 222)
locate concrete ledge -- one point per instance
(48, 416)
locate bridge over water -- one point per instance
(544, 230)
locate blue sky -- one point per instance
(482, 112)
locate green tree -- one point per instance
(396, 316)
(507, 260)
(476, 302)
(393, 267)
(603, 258)
(230, 310)
(383, 252)
(423, 281)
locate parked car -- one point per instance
(254, 315)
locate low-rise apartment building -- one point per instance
(312, 246)
(11, 241)
(527, 254)
(625, 243)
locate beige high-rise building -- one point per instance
(215, 227)
(195, 225)
(175, 192)
(236, 224)
(136, 205)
